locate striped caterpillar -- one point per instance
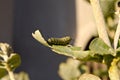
(59, 41)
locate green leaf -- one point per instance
(14, 61)
(38, 36)
(76, 53)
(70, 51)
(65, 49)
(3, 72)
(74, 48)
(89, 77)
(98, 46)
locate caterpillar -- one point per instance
(59, 41)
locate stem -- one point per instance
(11, 75)
(10, 72)
(100, 21)
(117, 34)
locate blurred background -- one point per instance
(54, 18)
(19, 18)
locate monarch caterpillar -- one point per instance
(59, 41)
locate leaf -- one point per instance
(69, 70)
(89, 77)
(98, 46)
(76, 53)
(14, 61)
(69, 51)
(3, 72)
(74, 48)
(38, 36)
